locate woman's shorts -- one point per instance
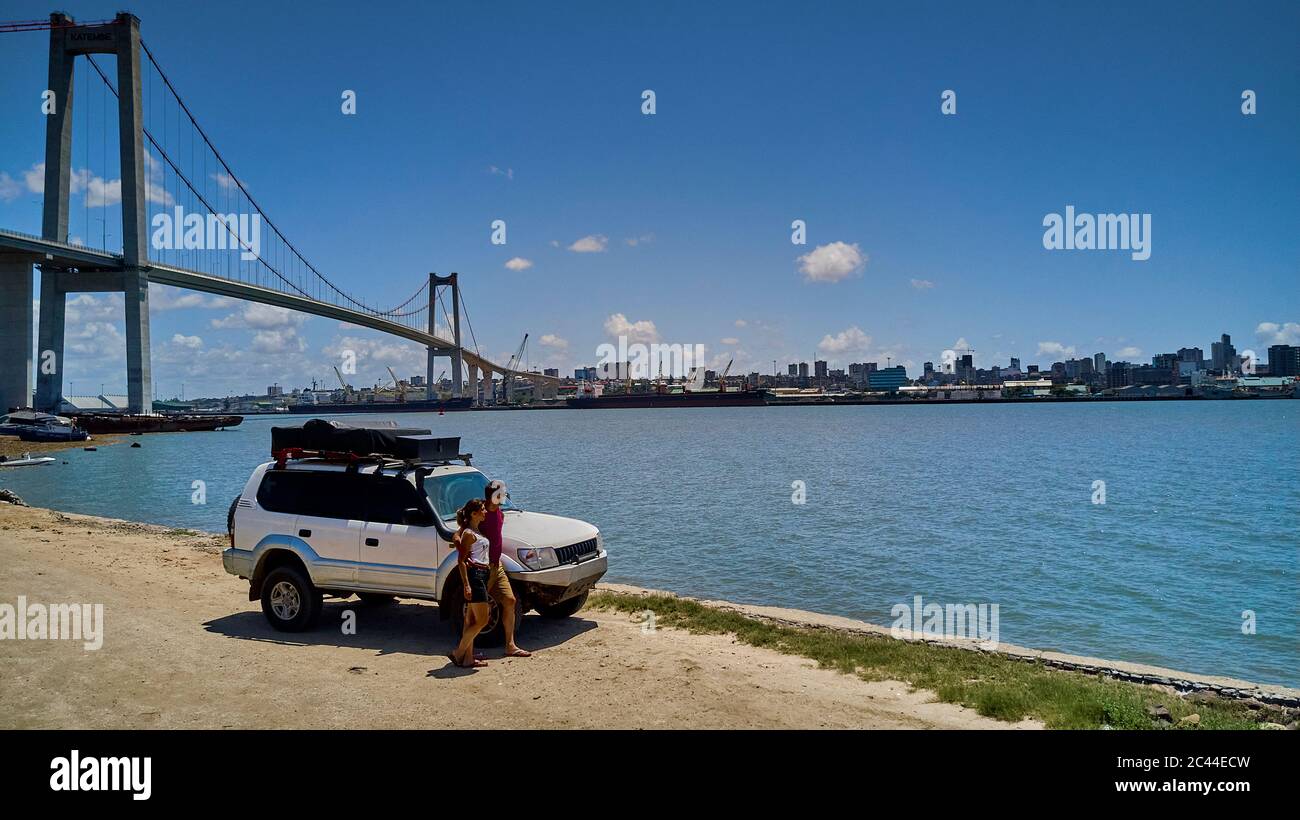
(478, 579)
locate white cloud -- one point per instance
(519, 263)
(594, 243)
(34, 178)
(1125, 352)
(188, 342)
(155, 189)
(852, 340)
(281, 340)
(962, 344)
(87, 307)
(832, 263)
(643, 331)
(922, 284)
(741, 323)
(10, 188)
(257, 316)
(1054, 349)
(553, 341)
(508, 173)
(163, 297)
(225, 181)
(1271, 333)
(730, 340)
(643, 239)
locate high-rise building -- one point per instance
(793, 370)
(552, 371)
(1192, 354)
(1015, 363)
(803, 370)
(1284, 360)
(1169, 361)
(890, 378)
(1223, 356)
(819, 368)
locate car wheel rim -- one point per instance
(285, 601)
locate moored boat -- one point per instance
(100, 423)
(27, 460)
(53, 432)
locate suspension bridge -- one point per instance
(209, 233)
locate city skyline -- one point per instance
(924, 230)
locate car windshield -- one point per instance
(449, 493)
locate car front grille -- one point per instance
(576, 552)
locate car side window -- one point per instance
(318, 494)
(388, 498)
(282, 492)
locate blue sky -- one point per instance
(766, 113)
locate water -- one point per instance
(959, 504)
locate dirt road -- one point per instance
(183, 647)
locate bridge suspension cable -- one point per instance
(229, 179)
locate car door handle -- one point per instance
(304, 533)
(372, 542)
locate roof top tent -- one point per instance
(377, 439)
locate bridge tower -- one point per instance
(453, 352)
(68, 40)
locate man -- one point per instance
(498, 582)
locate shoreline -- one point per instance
(396, 407)
(1181, 682)
(13, 447)
(1131, 672)
(183, 647)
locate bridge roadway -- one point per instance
(84, 270)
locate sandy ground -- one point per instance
(183, 647)
(14, 447)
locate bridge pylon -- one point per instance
(453, 352)
(121, 38)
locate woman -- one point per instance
(472, 563)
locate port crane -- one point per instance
(722, 380)
(347, 388)
(508, 381)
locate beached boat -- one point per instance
(53, 432)
(11, 424)
(124, 423)
(27, 460)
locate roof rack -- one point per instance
(337, 441)
(353, 460)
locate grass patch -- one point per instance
(993, 685)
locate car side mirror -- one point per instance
(415, 517)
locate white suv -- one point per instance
(381, 528)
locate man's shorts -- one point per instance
(498, 585)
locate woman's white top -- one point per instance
(478, 551)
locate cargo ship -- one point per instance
(712, 398)
(415, 406)
(691, 393)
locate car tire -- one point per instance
(376, 598)
(289, 600)
(564, 609)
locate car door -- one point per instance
(330, 519)
(395, 556)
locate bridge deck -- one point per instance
(81, 261)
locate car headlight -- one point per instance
(600, 542)
(535, 558)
